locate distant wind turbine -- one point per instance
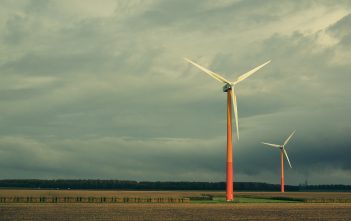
(231, 100)
(282, 150)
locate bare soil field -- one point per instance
(197, 210)
(99, 193)
(99, 212)
(175, 194)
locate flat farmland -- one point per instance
(165, 194)
(299, 195)
(246, 211)
(255, 209)
(100, 193)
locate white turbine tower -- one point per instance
(231, 100)
(282, 152)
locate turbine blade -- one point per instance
(270, 144)
(235, 107)
(286, 154)
(211, 73)
(287, 140)
(247, 74)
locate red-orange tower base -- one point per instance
(229, 194)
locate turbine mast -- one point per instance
(231, 102)
(282, 171)
(229, 192)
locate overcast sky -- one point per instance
(99, 89)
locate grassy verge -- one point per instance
(246, 200)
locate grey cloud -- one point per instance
(16, 30)
(111, 97)
(341, 30)
(105, 155)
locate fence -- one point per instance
(79, 199)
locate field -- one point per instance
(249, 206)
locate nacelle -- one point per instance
(226, 87)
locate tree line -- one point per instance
(157, 185)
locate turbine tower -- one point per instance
(231, 101)
(282, 152)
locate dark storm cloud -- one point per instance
(101, 91)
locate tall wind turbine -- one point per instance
(282, 152)
(231, 100)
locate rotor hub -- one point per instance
(227, 87)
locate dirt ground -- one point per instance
(99, 212)
(164, 211)
(100, 193)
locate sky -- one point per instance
(100, 90)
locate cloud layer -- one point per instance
(93, 90)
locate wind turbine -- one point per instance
(231, 100)
(282, 152)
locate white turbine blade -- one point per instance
(286, 154)
(235, 107)
(287, 140)
(247, 74)
(211, 73)
(272, 145)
